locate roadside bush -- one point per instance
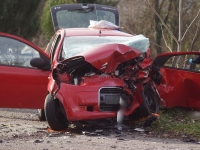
(19, 17)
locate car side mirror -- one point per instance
(37, 62)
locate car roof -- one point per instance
(92, 32)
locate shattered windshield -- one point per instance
(77, 44)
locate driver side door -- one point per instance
(22, 86)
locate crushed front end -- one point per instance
(98, 88)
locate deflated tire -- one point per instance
(55, 114)
(149, 106)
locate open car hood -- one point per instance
(104, 58)
(177, 80)
(79, 15)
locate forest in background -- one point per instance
(156, 19)
(159, 21)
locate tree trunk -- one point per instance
(180, 26)
(158, 31)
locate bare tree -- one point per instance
(181, 37)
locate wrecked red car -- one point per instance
(100, 80)
(97, 73)
(93, 73)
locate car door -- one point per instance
(22, 86)
(177, 80)
(79, 15)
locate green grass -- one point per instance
(175, 122)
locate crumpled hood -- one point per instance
(106, 57)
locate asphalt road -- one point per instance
(21, 130)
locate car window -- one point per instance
(182, 62)
(16, 53)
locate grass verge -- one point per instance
(176, 122)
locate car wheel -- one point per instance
(149, 106)
(55, 114)
(41, 115)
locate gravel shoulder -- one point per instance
(21, 130)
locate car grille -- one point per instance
(109, 98)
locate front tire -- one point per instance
(55, 114)
(149, 106)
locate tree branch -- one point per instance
(165, 40)
(161, 5)
(167, 15)
(190, 25)
(148, 3)
(159, 46)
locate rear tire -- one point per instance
(41, 115)
(55, 114)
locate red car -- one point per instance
(88, 73)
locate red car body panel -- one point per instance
(178, 87)
(181, 90)
(22, 87)
(86, 95)
(77, 98)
